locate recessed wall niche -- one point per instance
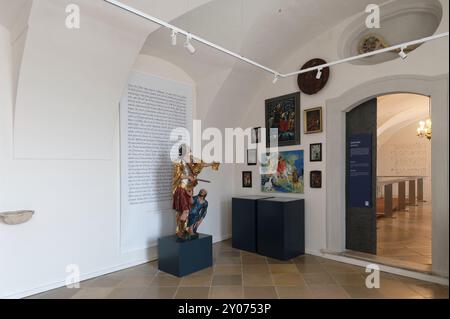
(401, 21)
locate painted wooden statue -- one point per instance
(190, 209)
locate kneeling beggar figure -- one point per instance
(190, 209)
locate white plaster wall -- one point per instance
(75, 196)
(430, 59)
(218, 221)
(67, 87)
(76, 202)
(404, 154)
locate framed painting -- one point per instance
(283, 172)
(252, 157)
(247, 179)
(316, 179)
(313, 120)
(315, 152)
(256, 135)
(283, 120)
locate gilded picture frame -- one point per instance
(313, 120)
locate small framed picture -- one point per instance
(252, 157)
(247, 179)
(313, 120)
(316, 179)
(315, 152)
(256, 135)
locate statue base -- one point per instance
(181, 258)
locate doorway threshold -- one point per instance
(401, 264)
(406, 269)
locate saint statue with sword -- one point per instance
(190, 209)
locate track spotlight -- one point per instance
(174, 37)
(275, 78)
(402, 53)
(188, 45)
(319, 74)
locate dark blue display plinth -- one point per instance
(281, 227)
(184, 258)
(244, 222)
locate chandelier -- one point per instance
(424, 129)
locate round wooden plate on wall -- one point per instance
(308, 83)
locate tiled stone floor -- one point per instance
(407, 236)
(237, 274)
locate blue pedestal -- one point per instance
(244, 222)
(184, 258)
(281, 228)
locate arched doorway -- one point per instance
(336, 110)
(404, 192)
(388, 181)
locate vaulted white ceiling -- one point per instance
(266, 31)
(9, 10)
(396, 111)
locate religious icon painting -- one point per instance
(315, 179)
(283, 120)
(247, 179)
(313, 120)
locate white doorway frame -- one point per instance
(437, 89)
